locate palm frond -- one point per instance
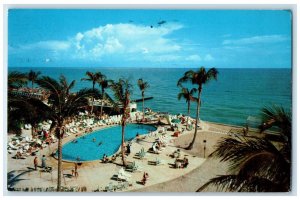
(211, 74)
(276, 116)
(17, 79)
(187, 77)
(49, 84)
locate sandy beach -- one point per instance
(96, 176)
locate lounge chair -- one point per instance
(134, 167)
(158, 161)
(122, 177)
(142, 154)
(123, 173)
(110, 187)
(11, 146)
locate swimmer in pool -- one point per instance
(94, 139)
(99, 143)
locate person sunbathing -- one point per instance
(18, 155)
(105, 159)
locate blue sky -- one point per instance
(149, 38)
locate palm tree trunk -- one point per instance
(93, 99)
(32, 128)
(122, 142)
(101, 111)
(143, 106)
(197, 119)
(59, 167)
(187, 120)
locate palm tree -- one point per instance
(104, 84)
(62, 104)
(278, 117)
(94, 78)
(143, 86)
(33, 76)
(198, 78)
(188, 96)
(122, 90)
(256, 165)
(27, 110)
(16, 80)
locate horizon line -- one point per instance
(156, 67)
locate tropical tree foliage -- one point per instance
(278, 117)
(16, 80)
(198, 78)
(94, 78)
(256, 165)
(26, 110)
(187, 94)
(33, 76)
(122, 91)
(14, 119)
(143, 86)
(63, 104)
(103, 84)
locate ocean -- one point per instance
(237, 93)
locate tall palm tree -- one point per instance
(16, 79)
(33, 76)
(198, 78)
(188, 96)
(256, 165)
(143, 86)
(94, 78)
(104, 84)
(122, 90)
(62, 104)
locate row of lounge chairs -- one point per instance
(112, 188)
(49, 189)
(23, 147)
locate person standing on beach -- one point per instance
(35, 162)
(44, 161)
(75, 170)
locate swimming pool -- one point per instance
(105, 141)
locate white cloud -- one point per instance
(49, 45)
(193, 58)
(256, 40)
(208, 57)
(123, 40)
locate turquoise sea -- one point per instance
(237, 94)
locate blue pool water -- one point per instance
(87, 150)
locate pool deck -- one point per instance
(163, 178)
